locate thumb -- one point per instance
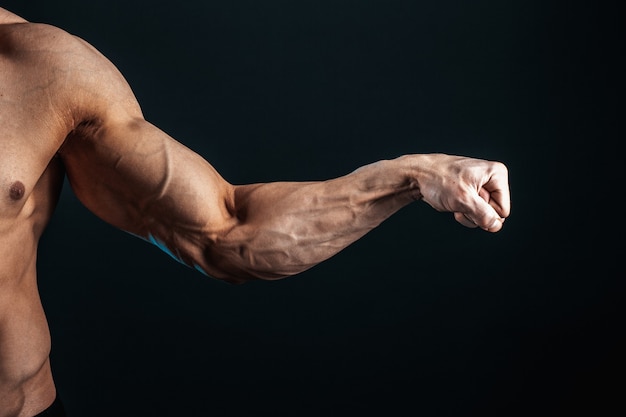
(484, 215)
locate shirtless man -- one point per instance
(66, 110)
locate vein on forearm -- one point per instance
(286, 228)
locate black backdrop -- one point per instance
(422, 316)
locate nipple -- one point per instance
(17, 190)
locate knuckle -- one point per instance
(501, 168)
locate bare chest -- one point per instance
(29, 140)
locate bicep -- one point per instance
(139, 179)
(130, 173)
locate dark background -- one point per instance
(420, 317)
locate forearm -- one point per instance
(286, 228)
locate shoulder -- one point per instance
(6, 17)
(84, 83)
(31, 40)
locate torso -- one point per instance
(31, 132)
(56, 93)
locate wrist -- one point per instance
(411, 169)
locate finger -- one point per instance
(484, 194)
(496, 225)
(484, 215)
(467, 222)
(464, 220)
(501, 202)
(499, 195)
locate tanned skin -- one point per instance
(66, 110)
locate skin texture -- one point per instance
(66, 110)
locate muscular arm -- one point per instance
(286, 228)
(136, 177)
